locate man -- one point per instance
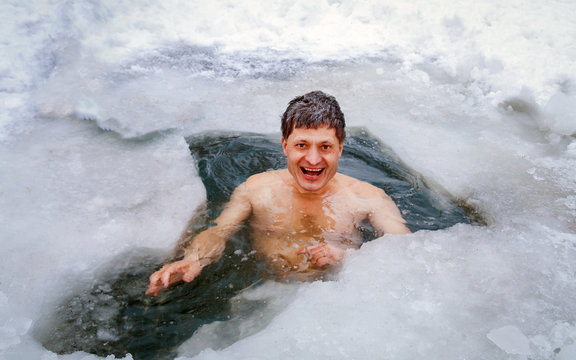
(303, 218)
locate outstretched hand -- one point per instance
(183, 270)
(322, 254)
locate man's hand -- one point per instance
(322, 254)
(183, 270)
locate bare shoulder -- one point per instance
(379, 207)
(269, 178)
(256, 187)
(360, 188)
(264, 184)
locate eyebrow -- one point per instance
(322, 141)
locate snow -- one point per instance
(477, 96)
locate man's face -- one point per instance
(312, 156)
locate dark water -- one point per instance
(226, 160)
(114, 317)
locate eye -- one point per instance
(300, 145)
(326, 147)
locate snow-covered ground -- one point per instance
(478, 96)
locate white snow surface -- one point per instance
(477, 96)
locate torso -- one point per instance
(284, 220)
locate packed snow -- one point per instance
(477, 96)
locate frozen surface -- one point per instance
(510, 339)
(479, 97)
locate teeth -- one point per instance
(316, 170)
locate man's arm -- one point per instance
(385, 216)
(207, 246)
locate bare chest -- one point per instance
(311, 220)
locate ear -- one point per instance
(340, 148)
(284, 146)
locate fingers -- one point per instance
(166, 278)
(172, 273)
(325, 261)
(312, 249)
(153, 290)
(322, 254)
(319, 250)
(155, 286)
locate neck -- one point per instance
(329, 189)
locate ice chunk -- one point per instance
(567, 353)
(561, 114)
(510, 339)
(12, 330)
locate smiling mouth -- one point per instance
(311, 172)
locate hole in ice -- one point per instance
(114, 317)
(225, 160)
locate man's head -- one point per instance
(312, 140)
(311, 111)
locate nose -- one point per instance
(313, 156)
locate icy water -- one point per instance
(114, 317)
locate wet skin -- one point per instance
(303, 218)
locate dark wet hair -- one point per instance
(313, 110)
